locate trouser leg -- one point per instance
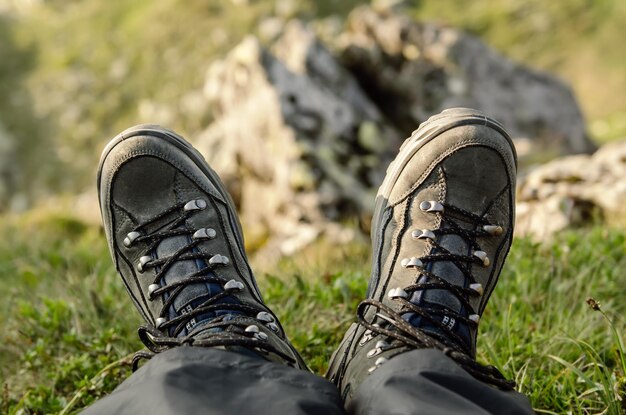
(426, 381)
(193, 380)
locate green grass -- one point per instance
(68, 327)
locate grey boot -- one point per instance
(176, 241)
(441, 231)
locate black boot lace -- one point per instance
(387, 322)
(228, 330)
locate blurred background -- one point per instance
(74, 73)
(300, 105)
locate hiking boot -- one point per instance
(175, 239)
(441, 230)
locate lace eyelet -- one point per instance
(204, 233)
(151, 289)
(219, 260)
(142, 263)
(263, 316)
(397, 293)
(234, 285)
(493, 230)
(367, 335)
(423, 234)
(373, 352)
(130, 238)
(365, 338)
(255, 332)
(412, 262)
(252, 329)
(380, 361)
(482, 255)
(380, 347)
(431, 206)
(197, 204)
(477, 288)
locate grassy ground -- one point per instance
(68, 330)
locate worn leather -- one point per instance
(456, 158)
(145, 171)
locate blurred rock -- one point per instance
(302, 138)
(414, 70)
(297, 141)
(573, 191)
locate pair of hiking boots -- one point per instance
(442, 227)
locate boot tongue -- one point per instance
(192, 295)
(443, 300)
(448, 271)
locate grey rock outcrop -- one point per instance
(414, 70)
(573, 191)
(297, 141)
(302, 136)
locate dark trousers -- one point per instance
(194, 380)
